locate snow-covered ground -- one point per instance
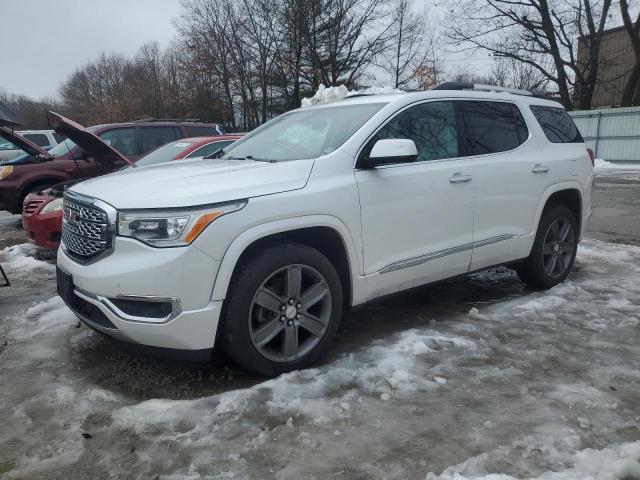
(604, 166)
(474, 379)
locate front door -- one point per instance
(417, 218)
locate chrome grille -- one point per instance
(85, 229)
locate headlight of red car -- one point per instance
(53, 206)
(5, 171)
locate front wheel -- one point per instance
(554, 249)
(283, 308)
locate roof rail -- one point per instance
(486, 88)
(152, 120)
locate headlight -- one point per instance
(5, 171)
(171, 228)
(53, 206)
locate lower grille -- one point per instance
(85, 229)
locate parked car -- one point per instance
(324, 207)
(42, 211)
(29, 173)
(45, 139)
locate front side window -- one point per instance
(557, 124)
(209, 148)
(304, 134)
(39, 139)
(432, 127)
(153, 137)
(122, 139)
(492, 127)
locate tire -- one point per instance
(554, 250)
(266, 333)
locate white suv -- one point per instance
(322, 208)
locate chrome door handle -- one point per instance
(460, 178)
(539, 168)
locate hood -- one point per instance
(190, 183)
(24, 144)
(86, 140)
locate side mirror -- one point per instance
(389, 151)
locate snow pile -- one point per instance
(614, 463)
(23, 258)
(600, 164)
(332, 94)
(477, 386)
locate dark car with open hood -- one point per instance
(113, 146)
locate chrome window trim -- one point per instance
(414, 261)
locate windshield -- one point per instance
(62, 148)
(163, 154)
(304, 133)
(7, 145)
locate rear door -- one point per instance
(512, 171)
(417, 217)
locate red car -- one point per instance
(37, 169)
(42, 211)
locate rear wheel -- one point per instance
(283, 309)
(554, 249)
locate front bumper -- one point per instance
(43, 229)
(185, 275)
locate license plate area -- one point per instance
(64, 285)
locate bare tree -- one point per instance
(508, 72)
(540, 33)
(411, 44)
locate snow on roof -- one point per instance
(332, 94)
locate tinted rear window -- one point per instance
(557, 124)
(492, 127)
(202, 131)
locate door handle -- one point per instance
(539, 168)
(460, 178)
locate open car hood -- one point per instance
(86, 140)
(24, 144)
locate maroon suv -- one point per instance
(37, 170)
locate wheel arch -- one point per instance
(568, 194)
(324, 233)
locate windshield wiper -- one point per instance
(251, 157)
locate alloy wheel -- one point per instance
(558, 246)
(290, 313)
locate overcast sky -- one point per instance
(43, 41)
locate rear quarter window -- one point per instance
(39, 139)
(557, 124)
